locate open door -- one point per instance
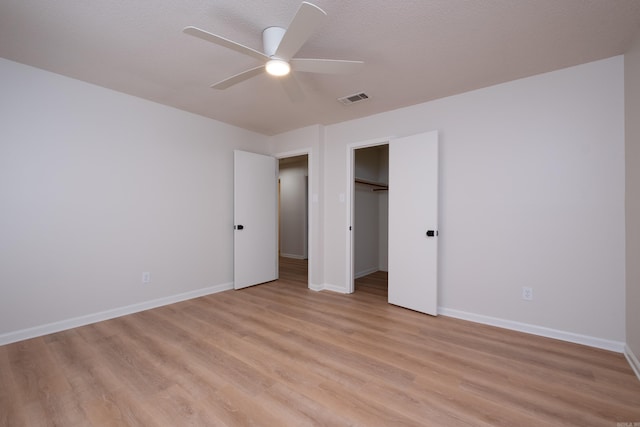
(413, 222)
(255, 243)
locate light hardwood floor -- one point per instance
(279, 354)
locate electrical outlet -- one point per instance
(146, 277)
(527, 293)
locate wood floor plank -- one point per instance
(82, 367)
(121, 409)
(11, 404)
(281, 354)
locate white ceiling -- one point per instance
(415, 50)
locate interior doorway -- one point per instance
(370, 201)
(293, 217)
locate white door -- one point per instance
(413, 217)
(255, 246)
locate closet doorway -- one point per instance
(370, 218)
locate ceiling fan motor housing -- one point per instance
(271, 38)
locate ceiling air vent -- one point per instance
(356, 97)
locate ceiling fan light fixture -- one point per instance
(277, 67)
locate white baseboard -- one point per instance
(75, 322)
(334, 288)
(328, 287)
(616, 346)
(633, 360)
(316, 287)
(294, 256)
(366, 272)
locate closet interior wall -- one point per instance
(371, 205)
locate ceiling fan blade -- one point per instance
(292, 88)
(307, 20)
(240, 77)
(221, 41)
(326, 66)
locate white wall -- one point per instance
(632, 155)
(97, 187)
(293, 207)
(365, 231)
(532, 194)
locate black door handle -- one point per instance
(431, 233)
(238, 227)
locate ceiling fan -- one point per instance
(280, 45)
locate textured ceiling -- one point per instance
(415, 50)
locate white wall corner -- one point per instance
(633, 360)
(50, 328)
(616, 346)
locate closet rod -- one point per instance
(381, 186)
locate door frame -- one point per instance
(350, 201)
(311, 174)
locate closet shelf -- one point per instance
(378, 186)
